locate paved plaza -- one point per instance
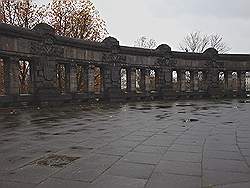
(183, 144)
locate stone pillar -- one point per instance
(106, 78)
(241, 78)
(229, 81)
(142, 79)
(91, 79)
(160, 81)
(179, 76)
(128, 78)
(205, 80)
(85, 78)
(147, 80)
(67, 78)
(5, 77)
(183, 80)
(164, 83)
(112, 81)
(102, 73)
(133, 79)
(192, 80)
(14, 83)
(168, 80)
(73, 79)
(197, 85)
(226, 81)
(213, 82)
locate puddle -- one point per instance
(101, 129)
(162, 107)
(227, 122)
(184, 105)
(244, 101)
(80, 148)
(181, 112)
(140, 108)
(190, 120)
(163, 116)
(41, 133)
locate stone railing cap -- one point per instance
(110, 42)
(44, 28)
(164, 48)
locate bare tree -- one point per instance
(145, 42)
(216, 41)
(199, 42)
(23, 13)
(77, 19)
(72, 18)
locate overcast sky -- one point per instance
(168, 21)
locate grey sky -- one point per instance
(168, 21)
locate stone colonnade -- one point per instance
(37, 65)
(78, 79)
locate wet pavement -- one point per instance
(148, 144)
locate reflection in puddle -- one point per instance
(79, 130)
(190, 120)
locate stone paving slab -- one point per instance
(183, 156)
(55, 182)
(151, 149)
(12, 184)
(139, 145)
(144, 158)
(131, 170)
(185, 148)
(235, 185)
(179, 168)
(173, 181)
(214, 177)
(118, 181)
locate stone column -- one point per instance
(241, 78)
(183, 80)
(112, 81)
(142, 79)
(85, 78)
(159, 78)
(73, 79)
(213, 82)
(197, 85)
(106, 78)
(205, 81)
(13, 80)
(192, 80)
(164, 81)
(147, 80)
(179, 76)
(91, 79)
(5, 76)
(102, 75)
(67, 78)
(128, 78)
(168, 80)
(226, 81)
(133, 79)
(229, 80)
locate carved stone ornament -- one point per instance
(48, 71)
(214, 64)
(47, 48)
(165, 61)
(113, 57)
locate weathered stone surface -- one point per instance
(44, 50)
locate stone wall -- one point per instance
(41, 66)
